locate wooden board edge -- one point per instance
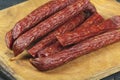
(106, 73)
(7, 72)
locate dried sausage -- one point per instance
(87, 46)
(94, 19)
(35, 17)
(66, 27)
(56, 47)
(48, 25)
(89, 10)
(49, 39)
(82, 32)
(39, 15)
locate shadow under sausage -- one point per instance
(9, 54)
(26, 57)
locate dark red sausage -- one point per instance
(9, 39)
(87, 46)
(68, 26)
(56, 47)
(52, 49)
(39, 15)
(89, 10)
(48, 25)
(35, 17)
(82, 32)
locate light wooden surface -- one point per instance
(93, 66)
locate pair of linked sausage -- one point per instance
(34, 18)
(94, 19)
(48, 25)
(82, 33)
(87, 46)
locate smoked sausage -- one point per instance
(48, 25)
(56, 47)
(89, 10)
(82, 48)
(83, 32)
(39, 15)
(68, 26)
(49, 39)
(34, 18)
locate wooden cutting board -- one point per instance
(93, 66)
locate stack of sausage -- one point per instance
(60, 31)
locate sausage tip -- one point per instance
(9, 40)
(36, 63)
(116, 20)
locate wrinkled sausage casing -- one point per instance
(39, 15)
(50, 38)
(38, 18)
(95, 19)
(50, 50)
(9, 39)
(68, 26)
(82, 32)
(79, 49)
(48, 25)
(34, 18)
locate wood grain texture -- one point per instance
(93, 66)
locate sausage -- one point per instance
(82, 48)
(56, 47)
(39, 15)
(82, 32)
(68, 26)
(48, 25)
(89, 10)
(52, 49)
(9, 39)
(35, 17)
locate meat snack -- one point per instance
(49, 39)
(39, 15)
(89, 10)
(82, 48)
(9, 39)
(82, 32)
(35, 17)
(95, 19)
(68, 26)
(48, 25)
(52, 49)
